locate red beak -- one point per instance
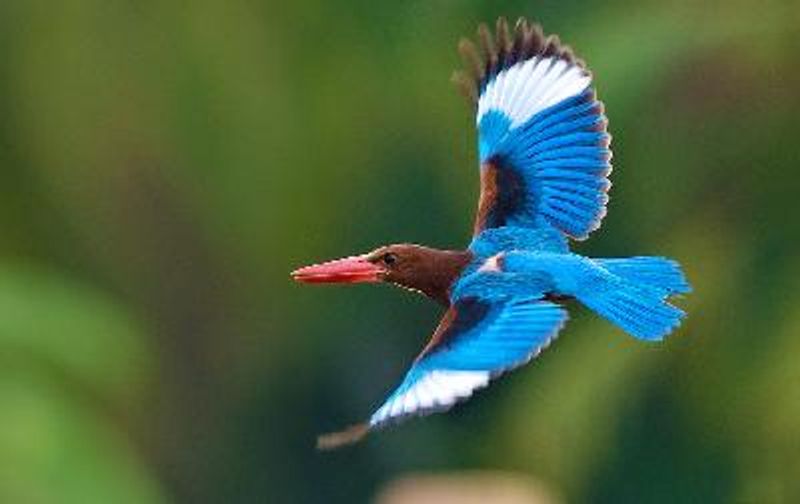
(348, 270)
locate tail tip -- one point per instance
(667, 327)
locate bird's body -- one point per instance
(544, 165)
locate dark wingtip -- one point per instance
(472, 60)
(348, 436)
(465, 86)
(502, 41)
(506, 47)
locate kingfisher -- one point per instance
(544, 162)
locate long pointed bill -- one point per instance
(348, 270)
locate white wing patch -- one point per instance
(435, 390)
(531, 86)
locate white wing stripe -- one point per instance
(437, 388)
(519, 93)
(530, 87)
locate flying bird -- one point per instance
(544, 155)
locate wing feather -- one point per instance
(540, 126)
(465, 354)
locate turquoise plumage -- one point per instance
(544, 155)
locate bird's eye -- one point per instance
(389, 258)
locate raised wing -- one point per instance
(479, 338)
(542, 140)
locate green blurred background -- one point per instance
(165, 165)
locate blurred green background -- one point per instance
(165, 164)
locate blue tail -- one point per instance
(660, 273)
(631, 293)
(640, 310)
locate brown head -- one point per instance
(423, 269)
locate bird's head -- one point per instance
(414, 267)
(390, 263)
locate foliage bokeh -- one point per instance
(165, 164)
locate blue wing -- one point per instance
(542, 139)
(478, 339)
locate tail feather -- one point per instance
(631, 293)
(660, 273)
(638, 310)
